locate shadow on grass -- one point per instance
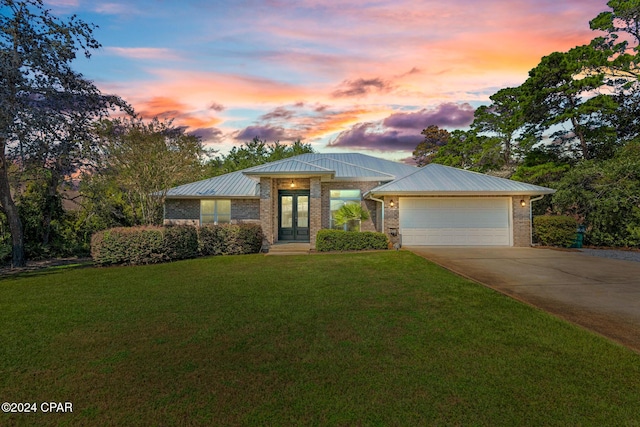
(44, 269)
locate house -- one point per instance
(294, 198)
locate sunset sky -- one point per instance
(360, 75)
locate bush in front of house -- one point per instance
(128, 245)
(230, 239)
(181, 242)
(339, 240)
(150, 245)
(555, 230)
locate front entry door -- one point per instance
(293, 210)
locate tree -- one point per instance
(622, 42)
(563, 99)
(434, 138)
(146, 159)
(504, 120)
(605, 196)
(36, 52)
(254, 153)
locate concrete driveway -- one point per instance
(602, 295)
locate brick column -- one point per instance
(315, 210)
(521, 221)
(266, 211)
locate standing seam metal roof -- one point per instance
(440, 179)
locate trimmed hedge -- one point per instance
(555, 230)
(150, 245)
(339, 240)
(230, 239)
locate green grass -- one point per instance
(381, 338)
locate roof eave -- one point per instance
(459, 193)
(212, 196)
(287, 174)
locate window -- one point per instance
(340, 198)
(215, 211)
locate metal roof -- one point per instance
(234, 184)
(288, 167)
(344, 170)
(432, 179)
(435, 179)
(396, 169)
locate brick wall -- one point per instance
(245, 210)
(181, 209)
(521, 221)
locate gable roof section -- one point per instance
(347, 171)
(339, 167)
(288, 167)
(439, 180)
(234, 184)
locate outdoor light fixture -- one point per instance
(391, 203)
(523, 203)
(292, 184)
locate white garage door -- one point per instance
(455, 221)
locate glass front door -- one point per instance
(294, 215)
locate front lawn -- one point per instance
(382, 338)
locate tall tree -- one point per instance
(36, 52)
(562, 99)
(146, 159)
(504, 119)
(622, 42)
(434, 138)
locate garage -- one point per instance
(455, 221)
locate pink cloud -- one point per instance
(144, 53)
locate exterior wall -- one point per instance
(392, 218)
(266, 210)
(182, 212)
(187, 211)
(315, 210)
(372, 206)
(245, 210)
(521, 221)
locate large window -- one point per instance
(340, 198)
(215, 211)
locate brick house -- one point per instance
(294, 198)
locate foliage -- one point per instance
(339, 240)
(434, 138)
(133, 246)
(230, 239)
(555, 230)
(559, 93)
(144, 160)
(349, 213)
(181, 242)
(605, 196)
(254, 153)
(469, 150)
(151, 245)
(44, 104)
(502, 120)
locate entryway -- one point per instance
(293, 211)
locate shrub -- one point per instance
(181, 242)
(230, 239)
(148, 245)
(555, 230)
(338, 240)
(135, 245)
